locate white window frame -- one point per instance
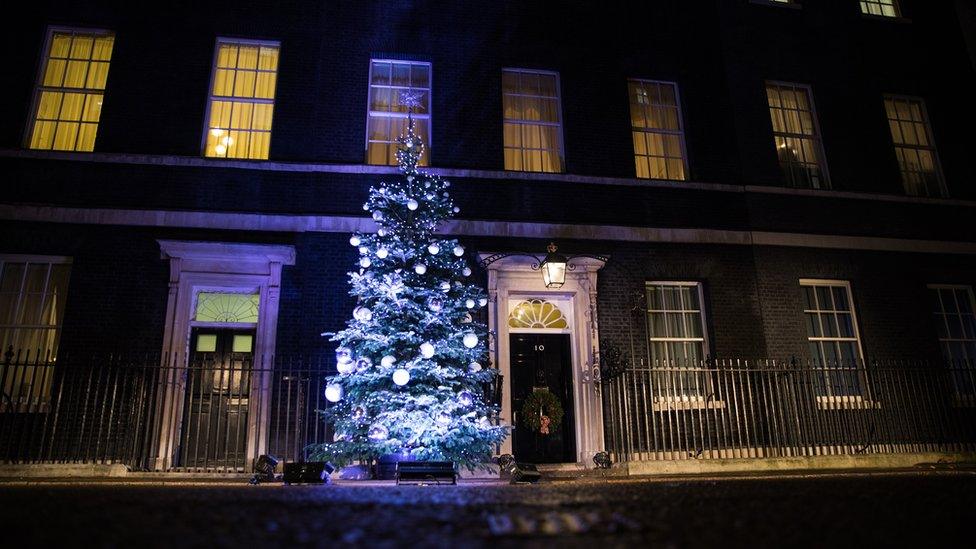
(960, 397)
(43, 395)
(559, 111)
(210, 94)
(39, 80)
(860, 399)
(817, 138)
(428, 144)
(671, 400)
(681, 123)
(932, 148)
(880, 3)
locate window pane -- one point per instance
(795, 136)
(911, 135)
(32, 297)
(246, 74)
(387, 119)
(530, 102)
(654, 115)
(76, 62)
(832, 337)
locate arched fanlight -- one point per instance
(553, 268)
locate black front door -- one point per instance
(215, 410)
(543, 362)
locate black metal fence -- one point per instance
(751, 409)
(219, 413)
(215, 413)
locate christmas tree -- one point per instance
(412, 362)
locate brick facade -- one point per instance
(146, 158)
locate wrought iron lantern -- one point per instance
(553, 268)
(553, 265)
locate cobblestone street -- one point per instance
(796, 510)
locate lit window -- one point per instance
(832, 336)
(242, 99)
(657, 130)
(387, 113)
(676, 337)
(70, 89)
(912, 136)
(955, 323)
(796, 135)
(533, 123)
(884, 8)
(32, 298)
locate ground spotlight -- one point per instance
(264, 469)
(602, 460)
(519, 472)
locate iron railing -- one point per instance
(753, 409)
(159, 412)
(220, 413)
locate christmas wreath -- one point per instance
(542, 412)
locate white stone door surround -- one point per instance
(513, 278)
(225, 267)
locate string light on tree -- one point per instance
(412, 302)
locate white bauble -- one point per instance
(381, 232)
(362, 314)
(387, 361)
(420, 268)
(465, 399)
(469, 303)
(401, 377)
(363, 363)
(466, 271)
(435, 305)
(345, 368)
(445, 286)
(339, 437)
(333, 393)
(456, 209)
(474, 367)
(467, 318)
(433, 249)
(459, 250)
(483, 301)
(426, 350)
(365, 262)
(363, 250)
(378, 433)
(410, 178)
(343, 354)
(412, 204)
(470, 340)
(382, 253)
(377, 215)
(444, 418)
(355, 240)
